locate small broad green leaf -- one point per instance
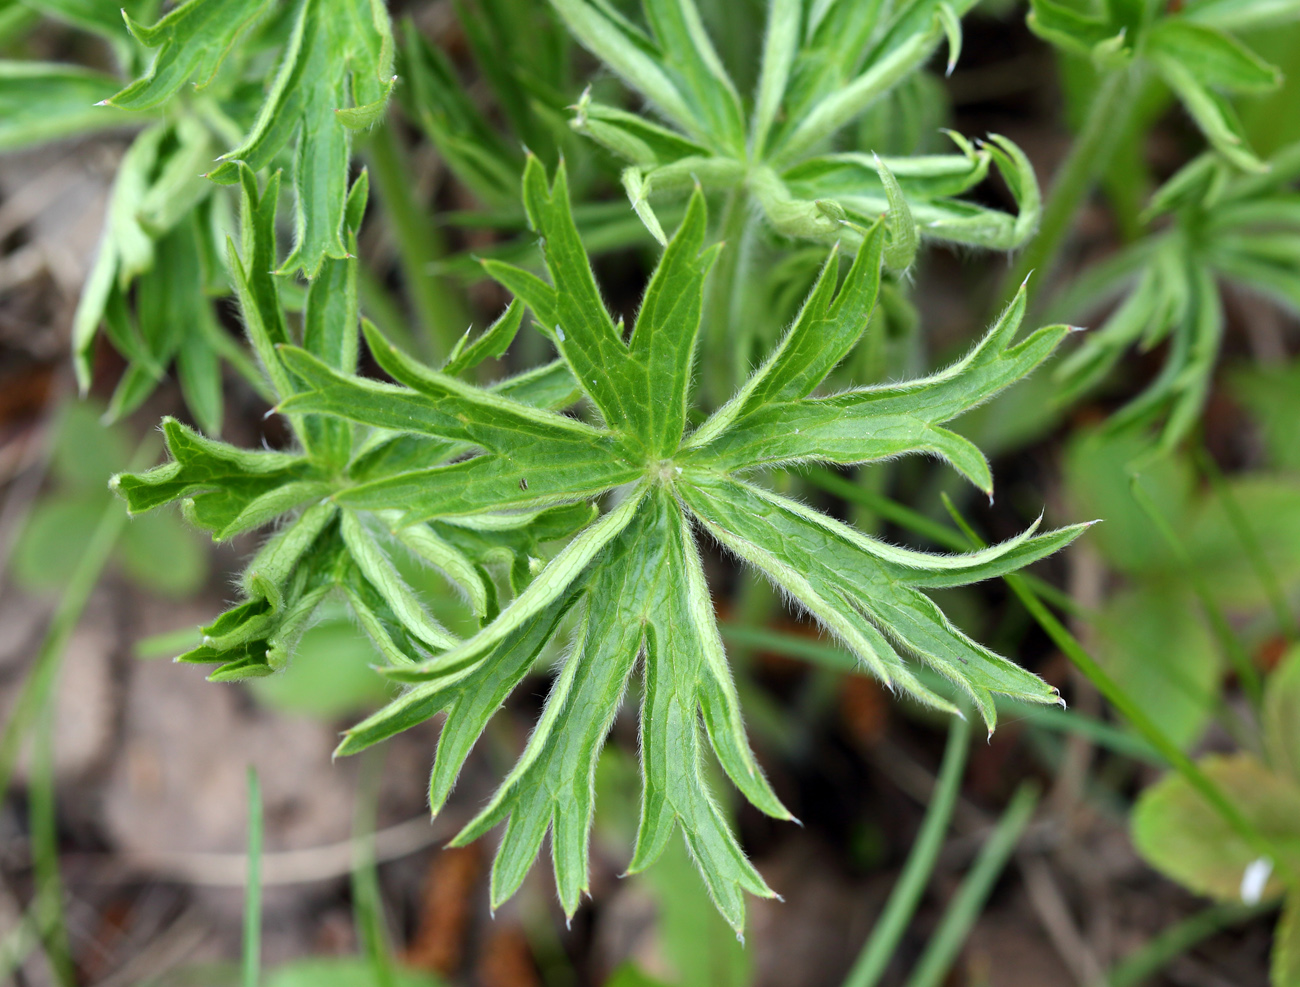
(1097, 474)
(1284, 969)
(1179, 834)
(1271, 506)
(1152, 641)
(1282, 716)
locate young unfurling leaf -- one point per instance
(823, 66)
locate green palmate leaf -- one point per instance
(629, 587)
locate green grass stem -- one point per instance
(889, 928)
(960, 916)
(252, 953)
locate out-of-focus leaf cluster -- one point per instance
(1190, 46)
(217, 84)
(1219, 229)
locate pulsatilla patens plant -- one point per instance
(629, 586)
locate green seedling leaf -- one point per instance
(1182, 837)
(1282, 716)
(632, 578)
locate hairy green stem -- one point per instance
(720, 340)
(1088, 159)
(1177, 939)
(1134, 713)
(889, 928)
(968, 902)
(439, 310)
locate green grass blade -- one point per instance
(1145, 962)
(889, 928)
(252, 951)
(969, 900)
(44, 672)
(45, 854)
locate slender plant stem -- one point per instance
(926, 527)
(1177, 939)
(438, 308)
(44, 673)
(45, 853)
(968, 902)
(1053, 718)
(367, 904)
(1134, 713)
(719, 333)
(1286, 620)
(253, 885)
(889, 928)
(1088, 159)
(1228, 643)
